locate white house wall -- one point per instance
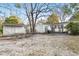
(13, 30)
(40, 28)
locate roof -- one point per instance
(14, 25)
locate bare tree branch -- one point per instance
(34, 11)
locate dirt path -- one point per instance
(50, 45)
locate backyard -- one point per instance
(39, 29)
(41, 45)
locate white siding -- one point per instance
(12, 30)
(40, 28)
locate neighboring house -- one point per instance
(10, 29)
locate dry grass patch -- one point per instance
(73, 44)
(38, 53)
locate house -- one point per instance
(10, 29)
(42, 28)
(57, 27)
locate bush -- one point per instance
(73, 27)
(1, 30)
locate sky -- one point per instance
(6, 7)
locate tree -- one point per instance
(12, 20)
(66, 12)
(33, 12)
(52, 20)
(73, 26)
(70, 10)
(75, 17)
(74, 7)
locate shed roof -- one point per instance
(14, 25)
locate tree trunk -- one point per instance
(32, 28)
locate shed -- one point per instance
(10, 29)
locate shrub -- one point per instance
(73, 27)
(1, 30)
